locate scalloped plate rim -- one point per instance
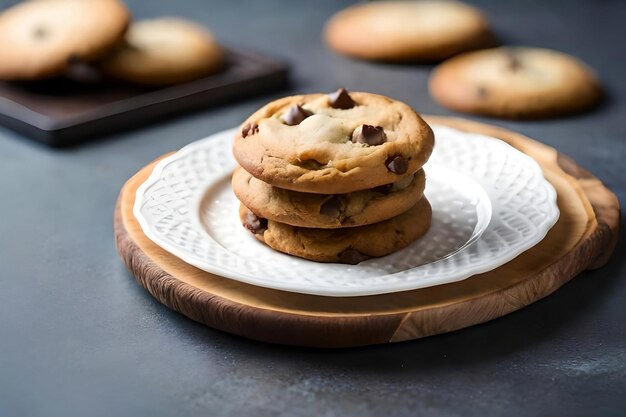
(382, 288)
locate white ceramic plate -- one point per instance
(490, 203)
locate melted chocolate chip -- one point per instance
(340, 99)
(352, 257)
(369, 135)
(40, 33)
(249, 129)
(481, 92)
(255, 224)
(331, 207)
(397, 164)
(383, 189)
(513, 61)
(295, 115)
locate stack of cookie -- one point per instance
(334, 178)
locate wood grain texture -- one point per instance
(583, 237)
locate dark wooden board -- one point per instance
(584, 237)
(62, 112)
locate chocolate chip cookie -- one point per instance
(515, 82)
(333, 143)
(164, 51)
(348, 245)
(328, 211)
(40, 39)
(408, 30)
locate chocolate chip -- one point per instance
(397, 164)
(331, 207)
(295, 115)
(481, 92)
(513, 61)
(369, 135)
(352, 257)
(255, 224)
(40, 32)
(249, 129)
(383, 189)
(340, 99)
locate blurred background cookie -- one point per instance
(40, 39)
(408, 30)
(164, 51)
(515, 82)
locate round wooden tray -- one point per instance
(583, 238)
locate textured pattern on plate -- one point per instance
(461, 212)
(187, 208)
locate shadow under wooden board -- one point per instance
(583, 238)
(62, 112)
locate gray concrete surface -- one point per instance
(78, 336)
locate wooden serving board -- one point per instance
(583, 238)
(61, 112)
